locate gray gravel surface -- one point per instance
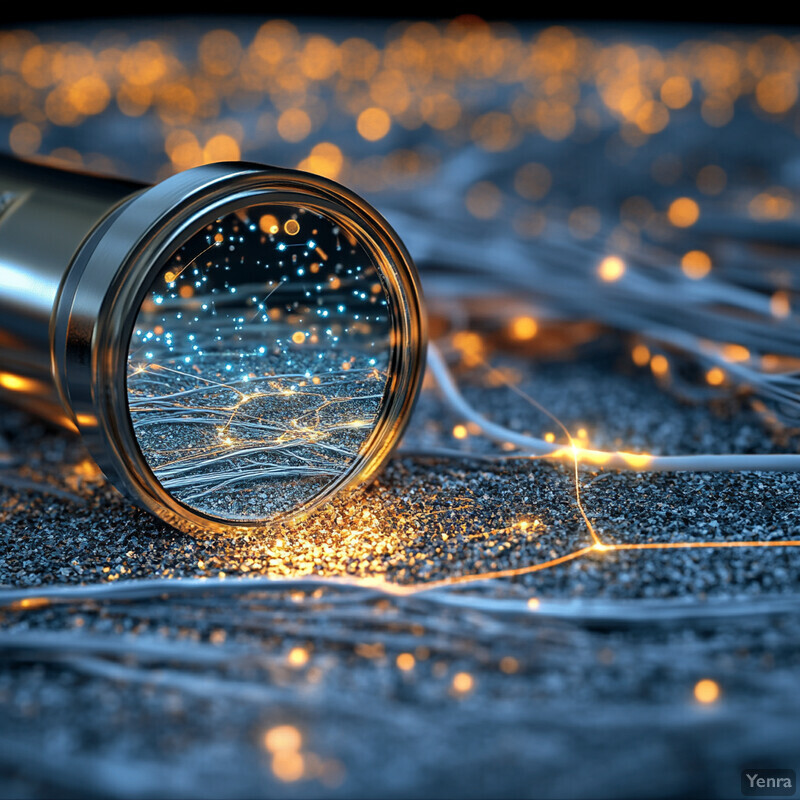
(589, 694)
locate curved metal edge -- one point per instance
(101, 295)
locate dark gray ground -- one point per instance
(170, 693)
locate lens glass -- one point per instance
(258, 362)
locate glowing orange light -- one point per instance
(288, 766)
(676, 92)
(636, 460)
(652, 117)
(221, 147)
(659, 365)
(298, 337)
(294, 125)
(524, 328)
(777, 93)
(325, 159)
(735, 353)
(219, 52)
(30, 603)
(405, 662)
(779, 305)
(611, 268)
(775, 203)
(641, 355)
(683, 212)
(291, 227)
(269, 223)
(298, 657)
(282, 738)
(18, 383)
(706, 691)
(696, 264)
(463, 682)
(494, 131)
(373, 123)
(25, 138)
(509, 665)
(715, 376)
(460, 432)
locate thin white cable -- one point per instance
(637, 462)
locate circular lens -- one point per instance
(259, 361)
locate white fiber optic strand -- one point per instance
(569, 453)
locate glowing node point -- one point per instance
(463, 683)
(405, 662)
(706, 691)
(269, 224)
(611, 268)
(297, 657)
(282, 738)
(524, 328)
(683, 212)
(696, 264)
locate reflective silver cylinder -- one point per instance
(235, 344)
(45, 215)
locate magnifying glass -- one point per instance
(236, 344)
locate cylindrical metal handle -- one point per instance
(45, 214)
(236, 344)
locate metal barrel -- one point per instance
(45, 215)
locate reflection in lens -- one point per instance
(258, 362)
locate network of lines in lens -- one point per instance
(258, 362)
